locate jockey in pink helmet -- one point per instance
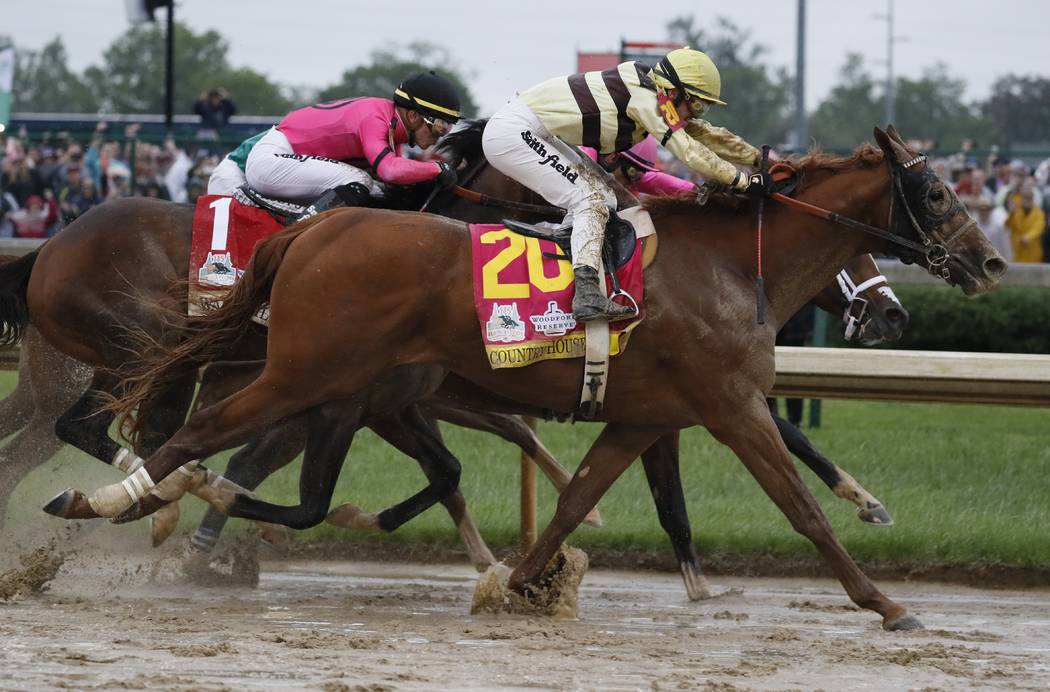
(328, 153)
(637, 168)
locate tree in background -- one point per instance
(44, 83)
(1019, 110)
(389, 67)
(928, 108)
(131, 76)
(759, 97)
(846, 117)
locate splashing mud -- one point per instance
(555, 595)
(37, 570)
(234, 563)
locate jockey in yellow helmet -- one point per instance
(611, 111)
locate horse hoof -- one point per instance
(163, 523)
(695, 583)
(350, 516)
(275, 536)
(593, 518)
(70, 504)
(875, 515)
(903, 624)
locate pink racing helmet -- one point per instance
(642, 155)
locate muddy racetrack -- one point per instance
(384, 626)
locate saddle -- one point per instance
(617, 249)
(283, 212)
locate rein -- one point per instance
(936, 254)
(489, 201)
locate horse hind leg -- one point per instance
(661, 463)
(869, 509)
(749, 431)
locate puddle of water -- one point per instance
(481, 642)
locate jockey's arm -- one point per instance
(724, 143)
(660, 183)
(696, 152)
(393, 168)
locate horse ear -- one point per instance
(892, 132)
(885, 143)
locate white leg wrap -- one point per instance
(175, 485)
(111, 500)
(127, 461)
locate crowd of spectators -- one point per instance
(46, 184)
(1010, 200)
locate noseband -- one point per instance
(857, 309)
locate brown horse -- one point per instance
(147, 253)
(369, 279)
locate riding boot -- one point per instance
(349, 195)
(589, 303)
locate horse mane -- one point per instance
(463, 143)
(814, 162)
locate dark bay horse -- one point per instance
(700, 358)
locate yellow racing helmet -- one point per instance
(690, 71)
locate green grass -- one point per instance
(965, 484)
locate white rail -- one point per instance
(932, 376)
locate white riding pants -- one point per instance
(275, 170)
(518, 145)
(226, 178)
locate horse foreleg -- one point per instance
(514, 430)
(869, 509)
(331, 429)
(231, 422)
(614, 450)
(415, 436)
(249, 467)
(750, 432)
(661, 462)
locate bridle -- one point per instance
(857, 307)
(929, 246)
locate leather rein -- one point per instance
(936, 253)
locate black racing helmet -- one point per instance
(430, 94)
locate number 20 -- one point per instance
(492, 287)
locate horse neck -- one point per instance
(802, 254)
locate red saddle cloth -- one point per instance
(524, 300)
(224, 235)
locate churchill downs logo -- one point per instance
(552, 160)
(505, 325)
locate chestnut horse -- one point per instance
(362, 291)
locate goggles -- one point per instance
(438, 126)
(697, 105)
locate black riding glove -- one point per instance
(447, 177)
(759, 184)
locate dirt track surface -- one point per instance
(388, 626)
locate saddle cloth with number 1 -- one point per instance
(225, 233)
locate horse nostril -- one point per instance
(898, 317)
(995, 267)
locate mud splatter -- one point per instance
(37, 570)
(555, 595)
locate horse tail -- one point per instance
(200, 339)
(14, 312)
